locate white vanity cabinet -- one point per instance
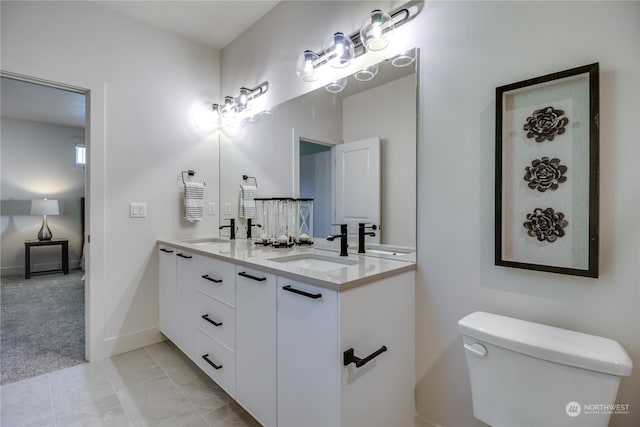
(319, 328)
(294, 354)
(185, 302)
(215, 310)
(168, 307)
(256, 343)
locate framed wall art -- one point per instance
(547, 173)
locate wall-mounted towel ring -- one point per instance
(189, 172)
(246, 177)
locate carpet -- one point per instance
(41, 324)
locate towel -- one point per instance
(247, 202)
(193, 201)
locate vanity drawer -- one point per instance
(220, 320)
(217, 279)
(218, 362)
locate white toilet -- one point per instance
(527, 374)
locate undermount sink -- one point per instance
(204, 241)
(314, 262)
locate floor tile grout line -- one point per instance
(176, 386)
(113, 387)
(53, 408)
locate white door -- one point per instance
(358, 185)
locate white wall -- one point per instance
(394, 121)
(38, 161)
(150, 83)
(467, 50)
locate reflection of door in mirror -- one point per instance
(358, 185)
(316, 173)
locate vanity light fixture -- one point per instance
(377, 31)
(242, 102)
(340, 49)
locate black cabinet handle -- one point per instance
(206, 359)
(184, 256)
(211, 279)
(166, 250)
(213, 322)
(259, 279)
(350, 357)
(299, 292)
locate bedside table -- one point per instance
(64, 246)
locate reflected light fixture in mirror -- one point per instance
(339, 50)
(404, 59)
(336, 85)
(366, 74)
(376, 32)
(228, 109)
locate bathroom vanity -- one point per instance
(300, 336)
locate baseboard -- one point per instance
(18, 270)
(132, 341)
(421, 422)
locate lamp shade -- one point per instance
(44, 207)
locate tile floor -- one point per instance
(153, 386)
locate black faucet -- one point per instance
(250, 226)
(343, 239)
(362, 233)
(232, 226)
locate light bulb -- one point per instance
(242, 100)
(376, 32)
(339, 50)
(305, 66)
(228, 109)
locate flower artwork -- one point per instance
(545, 174)
(545, 124)
(545, 224)
(546, 179)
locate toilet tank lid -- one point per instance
(548, 342)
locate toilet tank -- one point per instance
(527, 374)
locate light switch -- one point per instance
(137, 210)
(227, 208)
(212, 208)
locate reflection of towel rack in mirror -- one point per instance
(190, 172)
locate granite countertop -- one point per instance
(362, 269)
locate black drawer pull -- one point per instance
(259, 279)
(211, 279)
(184, 256)
(350, 357)
(213, 322)
(206, 359)
(169, 251)
(298, 291)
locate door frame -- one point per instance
(94, 244)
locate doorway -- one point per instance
(316, 181)
(44, 127)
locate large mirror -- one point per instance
(353, 151)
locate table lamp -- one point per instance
(44, 207)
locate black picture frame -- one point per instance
(547, 173)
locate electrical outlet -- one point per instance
(137, 210)
(212, 208)
(227, 208)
